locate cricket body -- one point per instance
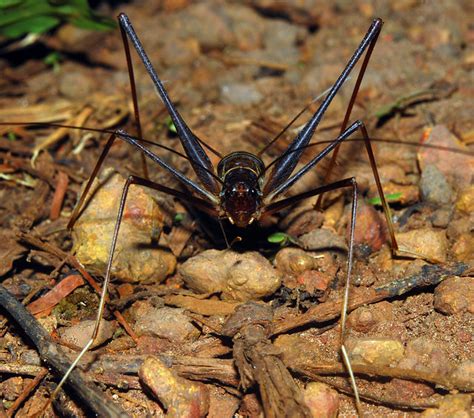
(242, 189)
(241, 194)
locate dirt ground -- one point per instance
(183, 332)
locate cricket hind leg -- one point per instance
(199, 203)
(277, 206)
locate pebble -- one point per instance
(314, 282)
(293, 260)
(425, 242)
(322, 400)
(375, 351)
(435, 188)
(243, 277)
(455, 295)
(463, 248)
(441, 218)
(180, 397)
(80, 334)
(370, 232)
(323, 239)
(366, 318)
(450, 406)
(168, 323)
(134, 259)
(448, 163)
(240, 94)
(465, 200)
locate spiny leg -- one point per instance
(199, 203)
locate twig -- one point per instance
(26, 392)
(56, 358)
(429, 275)
(62, 182)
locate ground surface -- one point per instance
(238, 73)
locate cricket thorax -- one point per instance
(241, 196)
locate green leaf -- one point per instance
(9, 3)
(178, 217)
(38, 24)
(278, 238)
(376, 201)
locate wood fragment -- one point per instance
(62, 182)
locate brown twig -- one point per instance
(62, 182)
(26, 392)
(52, 354)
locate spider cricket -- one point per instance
(241, 188)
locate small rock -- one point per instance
(243, 277)
(426, 355)
(293, 260)
(458, 406)
(465, 200)
(322, 400)
(464, 375)
(425, 243)
(169, 323)
(366, 318)
(80, 334)
(314, 282)
(375, 351)
(434, 186)
(240, 94)
(463, 248)
(179, 396)
(135, 259)
(441, 218)
(455, 295)
(448, 163)
(323, 239)
(370, 232)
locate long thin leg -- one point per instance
(350, 106)
(283, 169)
(277, 206)
(137, 143)
(199, 203)
(191, 145)
(133, 88)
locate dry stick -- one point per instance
(37, 242)
(26, 392)
(56, 358)
(429, 275)
(62, 182)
